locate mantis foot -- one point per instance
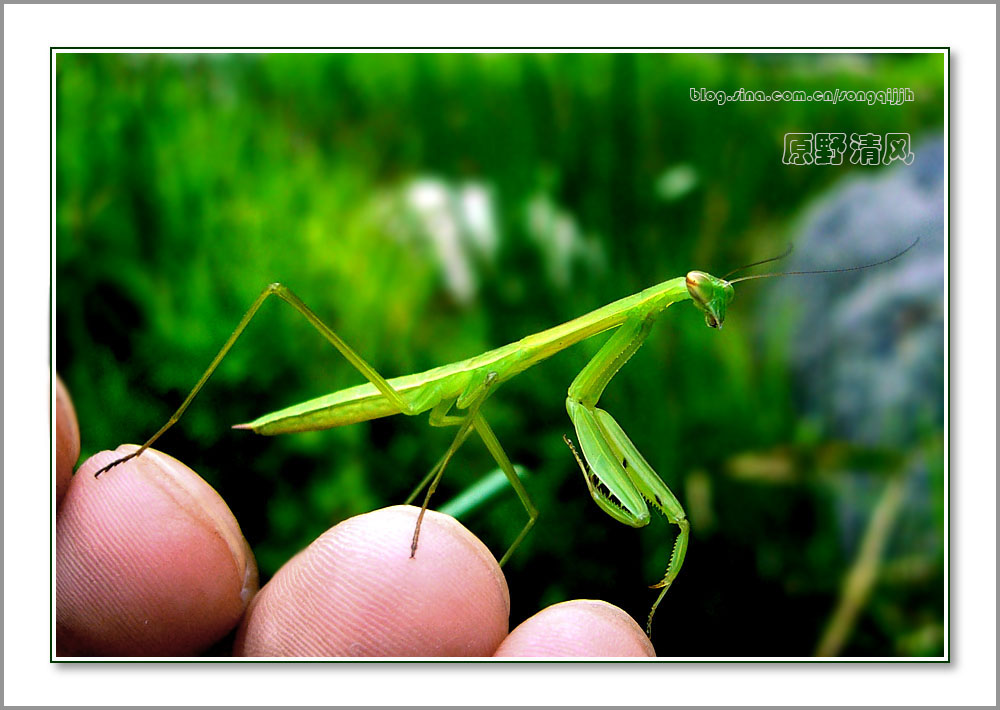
(114, 463)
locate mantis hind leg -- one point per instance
(285, 294)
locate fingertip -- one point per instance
(578, 628)
(67, 439)
(356, 591)
(149, 560)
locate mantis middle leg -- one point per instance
(439, 417)
(500, 456)
(619, 478)
(473, 420)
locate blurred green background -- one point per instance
(433, 206)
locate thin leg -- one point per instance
(426, 479)
(464, 429)
(500, 456)
(434, 470)
(438, 418)
(285, 294)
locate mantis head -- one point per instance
(711, 295)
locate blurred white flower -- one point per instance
(458, 222)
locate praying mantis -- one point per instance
(620, 480)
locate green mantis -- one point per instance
(619, 478)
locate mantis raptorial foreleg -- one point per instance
(619, 478)
(656, 492)
(285, 294)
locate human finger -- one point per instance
(356, 591)
(582, 627)
(149, 560)
(67, 440)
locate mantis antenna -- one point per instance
(825, 271)
(758, 263)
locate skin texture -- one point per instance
(151, 562)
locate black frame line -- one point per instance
(53, 50)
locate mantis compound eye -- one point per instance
(698, 286)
